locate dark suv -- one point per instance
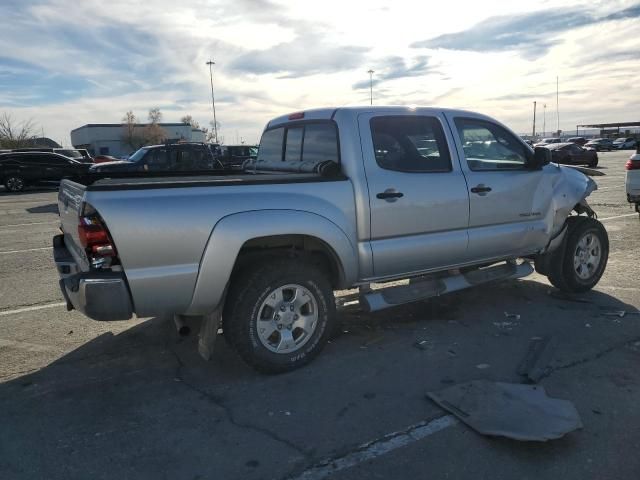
(175, 157)
(234, 156)
(19, 169)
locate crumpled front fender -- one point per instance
(571, 187)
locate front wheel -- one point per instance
(580, 265)
(279, 314)
(14, 183)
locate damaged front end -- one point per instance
(571, 187)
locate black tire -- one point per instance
(244, 304)
(14, 183)
(562, 274)
(594, 163)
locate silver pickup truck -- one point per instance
(337, 198)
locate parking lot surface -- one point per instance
(84, 399)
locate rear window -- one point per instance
(271, 145)
(311, 142)
(70, 153)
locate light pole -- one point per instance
(534, 118)
(213, 100)
(370, 72)
(544, 119)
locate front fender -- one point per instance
(233, 231)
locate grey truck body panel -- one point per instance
(178, 239)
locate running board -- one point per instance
(424, 288)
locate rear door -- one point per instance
(508, 201)
(418, 200)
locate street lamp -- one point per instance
(544, 119)
(370, 72)
(213, 101)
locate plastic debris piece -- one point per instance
(515, 316)
(520, 412)
(536, 363)
(422, 344)
(483, 366)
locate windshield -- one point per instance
(138, 155)
(70, 153)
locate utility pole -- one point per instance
(544, 119)
(370, 72)
(534, 118)
(211, 63)
(557, 106)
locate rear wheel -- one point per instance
(14, 183)
(580, 264)
(594, 163)
(279, 314)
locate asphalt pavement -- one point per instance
(82, 399)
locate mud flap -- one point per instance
(209, 333)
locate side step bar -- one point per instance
(427, 287)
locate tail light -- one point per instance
(97, 242)
(632, 164)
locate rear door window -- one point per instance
(410, 144)
(320, 143)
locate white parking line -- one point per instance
(31, 309)
(618, 216)
(27, 250)
(609, 188)
(378, 447)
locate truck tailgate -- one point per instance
(70, 205)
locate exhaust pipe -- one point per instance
(182, 328)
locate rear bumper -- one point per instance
(98, 295)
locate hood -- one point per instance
(108, 166)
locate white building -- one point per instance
(110, 138)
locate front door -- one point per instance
(508, 201)
(418, 200)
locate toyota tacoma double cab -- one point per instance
(337, 198)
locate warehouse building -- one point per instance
(115, 138)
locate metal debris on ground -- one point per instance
(423, 344)
(536, 363)
(620, 313)
(520, 412)
(515, 316)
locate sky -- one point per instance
(66, 63)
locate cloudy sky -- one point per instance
(65, 63)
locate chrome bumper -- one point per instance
(98, 295)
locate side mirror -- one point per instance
(541, 157)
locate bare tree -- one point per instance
(13, 134)
(155, 115)
(131, 136)
(190, 120)
(154, 134)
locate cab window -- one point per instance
(410, 144)
(488, 146)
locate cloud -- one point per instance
(308, 54)
(534, 96)
(397, 67)
(533, 34)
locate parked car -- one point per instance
(234, 156)
(174, 157)
(632, 180)
(625, 143)
(547, 141)
(572, 154)
(577, 140)
(262, 252)
(600, 144)
(20, 169)
(82, 155)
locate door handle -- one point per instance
(390, 195)
(481, 189)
